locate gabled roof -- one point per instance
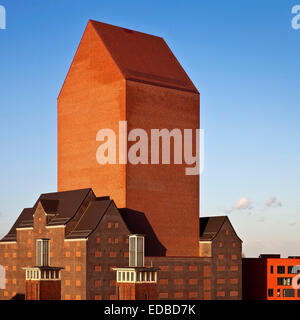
(24, 220)
(63, 204)
(50, 206)
(90, 219)
(210, 227)
(143, 57)
(69, 203)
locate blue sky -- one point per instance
(242, 56)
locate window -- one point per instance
(278, 292)
(97, 283)
(193, 281)
(136, 251)
(163, 281)
(280, 269)
(78, 283)
(112, 254)
(293, 269)
(270, 292)
(288, 293)
(178, 281)
(234, 268)
(42, 252)
(206, 284)
(193, 268)
(97, 269)
(220, 268)
(272, 269)
(284, 281)
(98, 254)
(178, 268)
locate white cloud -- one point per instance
(242, 204)
(273, 203)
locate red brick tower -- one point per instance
(120, 74)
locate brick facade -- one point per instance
(88, 234)
(97, 89)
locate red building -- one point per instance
(122, 75)
(270, 277)
(125, 75)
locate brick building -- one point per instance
(120, 74)
(124, 75)
(88, 238)
(270, 277)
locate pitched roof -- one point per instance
(210, 227)
(69, 203)
(25, 220)
(63, 204)
(90, 219)
(50, 206)
(143, 57)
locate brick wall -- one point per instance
(227, 264)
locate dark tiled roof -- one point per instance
(137, 223)
(69, 203)
(50, 206)
(90, 219)
(143, 57)
(210, 226)
(63, 204)
(25, 220)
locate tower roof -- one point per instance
(143, 57)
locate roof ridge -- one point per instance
(82, 216)
(125, 29)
